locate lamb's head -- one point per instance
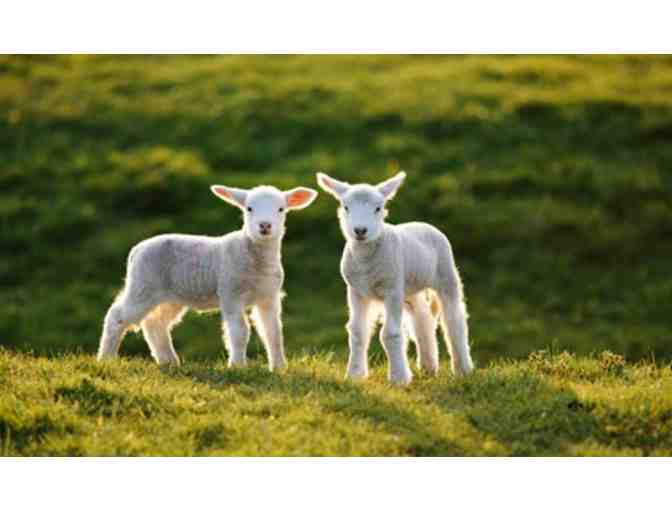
(265, 208)
(362, 212)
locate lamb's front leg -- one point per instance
(359, 331)
(393, 340)
(236, 333)
(269, 326)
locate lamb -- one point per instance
(168, 274)
(406, 271)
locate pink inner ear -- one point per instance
(222, 192)
(299, 197)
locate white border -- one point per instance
(326, 484)
(314, 27)
(372, 26)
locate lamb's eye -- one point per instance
(346, 208)
(249, 209)
(281, 209)
(377, 209)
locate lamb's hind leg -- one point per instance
(454, 324)
(124, 314)
(424, 329)
(156, 329)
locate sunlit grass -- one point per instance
(549, 405)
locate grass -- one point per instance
(546, 405)
(550, 175)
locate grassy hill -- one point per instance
(550, 175)
(547, 405)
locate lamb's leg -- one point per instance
(114, 329)
(424, 327)
(268, 322)
(156, 329)
(360, 326)
(454, 324)
(124, 313)
(394, 342)
(236, 333)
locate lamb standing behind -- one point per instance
(168, 274)
(397, 266)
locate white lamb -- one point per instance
(168, 274)
(400, 267)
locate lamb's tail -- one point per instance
(121, 295)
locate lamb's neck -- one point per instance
(265, 253)
(366, 252)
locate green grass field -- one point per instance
(548, 405)
(550, 175)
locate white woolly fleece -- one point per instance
(404, 271)
(168, 274)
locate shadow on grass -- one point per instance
(346, 399)
(521, 413)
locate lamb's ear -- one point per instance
(298, 198)
(234, 196)
(332, 186)
(389, 187)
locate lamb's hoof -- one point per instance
(459, 371)
(429, 371)
(237, 363)
(403, 379)
(356, 374)
(105, 356)
(278, 367)
(169, 363)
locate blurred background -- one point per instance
(551, 176)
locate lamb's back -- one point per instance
(182, 265)
(424, 249)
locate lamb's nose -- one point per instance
(360, 231)
(265, 227)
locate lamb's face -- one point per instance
(265, 208)
(362, 213)
(264, 213)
